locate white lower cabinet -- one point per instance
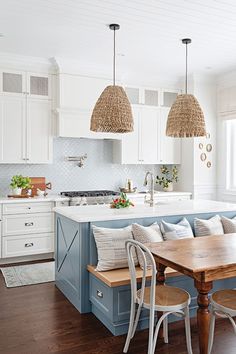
(14, 246)
(27, 229)
(27, 224)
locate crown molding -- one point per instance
(27, 63)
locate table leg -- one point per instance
(161, 274)
(203, 317)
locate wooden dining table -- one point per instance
(205, 259)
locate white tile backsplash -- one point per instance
(99, 172)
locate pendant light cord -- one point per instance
(114, 59)
(186, 70)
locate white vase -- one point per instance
(169, 188)
(16, 191)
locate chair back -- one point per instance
(134, 247)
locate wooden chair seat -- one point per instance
(166, 296)
(225, 298)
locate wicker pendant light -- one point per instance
(112, 112)
(186, 119)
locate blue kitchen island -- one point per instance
(76, 249)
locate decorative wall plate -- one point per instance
(200, 146)
(208, 164)
(203, 156)
(208, 147)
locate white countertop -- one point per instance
(48, 198)
(104, 212)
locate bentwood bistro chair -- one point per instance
(166, 299)
(223, 304)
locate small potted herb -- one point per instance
(169, 176)
(18, 182)
(121, 202)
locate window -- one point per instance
(231, 154)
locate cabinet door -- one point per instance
(39, 135)
(38, 85)
(148, 135)
(170, 148)
(12, 83)
(130, 141)
(12, 129)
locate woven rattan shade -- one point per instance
(185, 118)
(112, 112)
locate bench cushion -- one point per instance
(119, 277)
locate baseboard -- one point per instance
(23, 259)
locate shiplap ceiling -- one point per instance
(148, 41)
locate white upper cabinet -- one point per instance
(148, 134)
(168, 97)
(169, 148)
(18, 83)
(148, 144)
(140, 146)
(39, 131)
(12, 130)
(25, 117)
(38, 86)
(77, 96)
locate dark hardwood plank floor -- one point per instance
(38, 319)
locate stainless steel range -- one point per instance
(90, 197)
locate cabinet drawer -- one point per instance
(28, 207)
(27, 224)
(62, 203)
(14, 246)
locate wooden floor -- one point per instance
(38, 319)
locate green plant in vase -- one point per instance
(169, 176)
(18, 182)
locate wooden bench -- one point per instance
(109, 294)
(120, 277)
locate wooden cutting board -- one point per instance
(39, 183)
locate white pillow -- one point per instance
(145, 234)
(176, 231)
(111, 247)
(212, 226)
(229, 225)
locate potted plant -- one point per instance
(169, 176)
(18, 182)
(121, 202)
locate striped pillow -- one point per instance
(111, 247)
(176, 231)
(229, 225)
(145, 234)
(212, 226)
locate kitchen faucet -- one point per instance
(151, 200)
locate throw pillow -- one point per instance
(145, 234)
(111, 247)
(176, 231)
(212, 226)
(229, 225)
